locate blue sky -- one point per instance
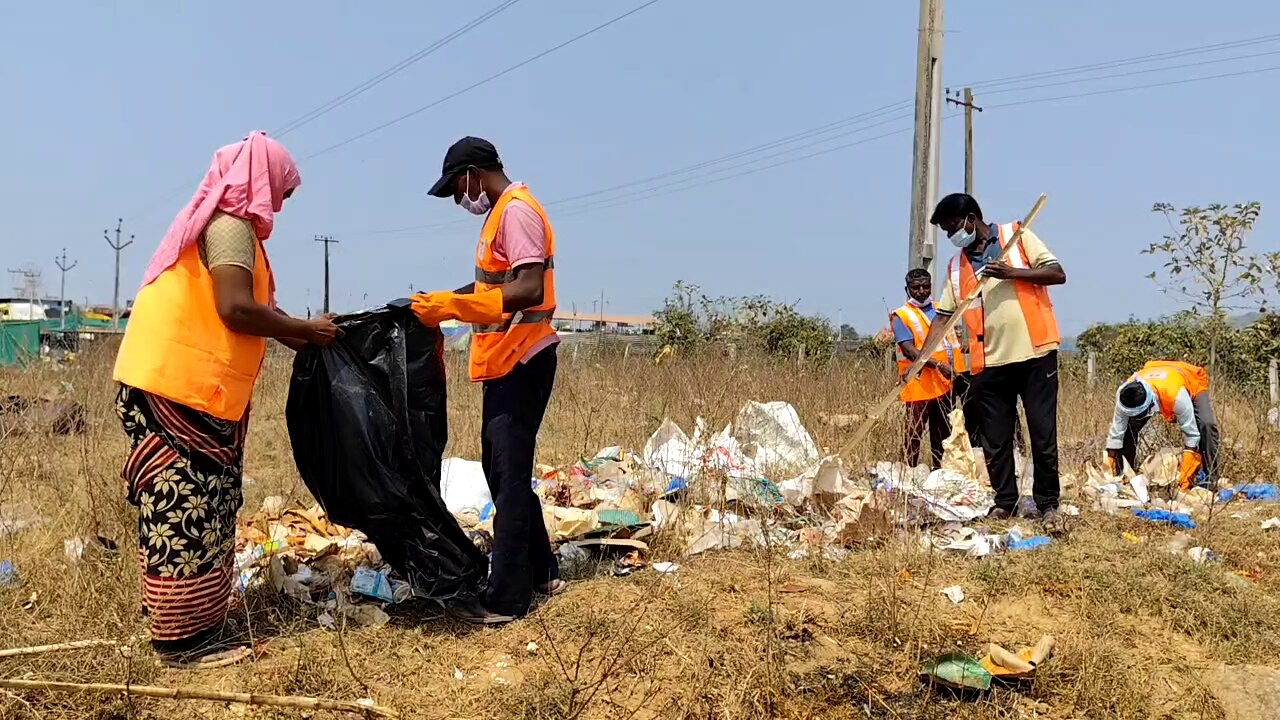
(114, 109)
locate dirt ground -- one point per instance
(1141, 632)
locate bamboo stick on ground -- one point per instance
(926, 352)
(281, 701)
(41, 649)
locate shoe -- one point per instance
(553, 588)
(1028, 511)
(473, 613)
(1055, 523)
(998, 514)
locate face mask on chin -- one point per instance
(480, 205)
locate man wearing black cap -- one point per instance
(510, 306)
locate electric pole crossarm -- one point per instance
(969, 108)
(117, 245)
(327, 240)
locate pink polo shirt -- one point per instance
(522, 240)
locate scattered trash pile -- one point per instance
(299, 553)
(760, 481)
(964, 672)
(1153, 495)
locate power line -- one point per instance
(1146, 71)
(1110, 91)
(386, 74)
(821, 129)
(473, 86)
(704, 164)
(1108, 64)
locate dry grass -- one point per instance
(732, 635)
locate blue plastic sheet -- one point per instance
(1265, 492)
(1030, 543)
(1181, 520)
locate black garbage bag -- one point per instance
(367, 419)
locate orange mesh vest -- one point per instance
(495, 349)
(1167, 377)
(176, 346)
(930, 383)
(1034, 300)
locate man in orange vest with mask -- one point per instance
(1179, 392)
(513, 353)
(928, 397)
(1013, 346)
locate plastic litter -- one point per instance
(89, 547)
(372, 583)
(1176, 519)
(1271, 523)
(1203, 555)
(575, 562)
(958, 671)
(1029, 543)
(1004, 665)
(367, 420)
(954, 593)
(1265, 492)
(664, 568)
(8, 574)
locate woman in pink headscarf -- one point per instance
(186, 368)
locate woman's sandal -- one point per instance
(207, 661)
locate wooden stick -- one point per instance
(283, 701)
(41, 649)
(926, 352)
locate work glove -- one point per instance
(1187, 469)
(482, 308)
(1114, 462)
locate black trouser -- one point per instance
(513, 408)
(998, 388)
(1207, 423)
(918, 413)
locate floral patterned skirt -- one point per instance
(184, 476)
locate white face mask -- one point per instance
(919, 303)
(480, 205)
(964, 238)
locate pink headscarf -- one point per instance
(247, 179)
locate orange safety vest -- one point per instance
(1168, 377)
(176, 345)
(1034, 299)
(495, 349)
(930, 383)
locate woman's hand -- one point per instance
(321, 330)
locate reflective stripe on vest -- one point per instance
(177, 347)
(930, 383)
(503, 277)
(497, 348)
(1037, 309)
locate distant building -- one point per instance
(591, 322)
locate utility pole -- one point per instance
(115, 296)
(925, 148)
(327, 240)
(969, 107)
(61, 262)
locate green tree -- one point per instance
(1207, 262)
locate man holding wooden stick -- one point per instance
(1013, 345)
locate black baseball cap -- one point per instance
(467, 152)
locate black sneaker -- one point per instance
(999, 514)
